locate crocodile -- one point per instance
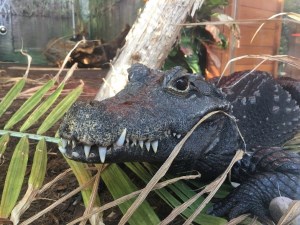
(156, 109)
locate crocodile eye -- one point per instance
(182, 84)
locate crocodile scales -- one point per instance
(148, 118)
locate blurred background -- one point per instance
(38, 23)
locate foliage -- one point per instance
(15, 175)
(192, 49)
(119, 184)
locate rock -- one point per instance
(278, 208)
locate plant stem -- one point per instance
(30, 136)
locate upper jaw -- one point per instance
(124, 145)
(97, 153)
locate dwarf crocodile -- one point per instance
(148, 118)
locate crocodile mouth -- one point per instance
(96, 153)
(126, 147)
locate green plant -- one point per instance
(193, 47)
(18, 162)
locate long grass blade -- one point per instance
(29, 104)
(119, 184)
(14, 177)
(11, 95)
(83, 176)
(60, 109)
(96, 218)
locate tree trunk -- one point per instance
(149, 40)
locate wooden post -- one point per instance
(149, 40)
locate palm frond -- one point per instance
(28, 114)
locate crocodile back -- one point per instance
(267, 111)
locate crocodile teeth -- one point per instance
(102, 153)
(73, 144)
(87, 149)
(141, 143)
(62, 149)
(121, 139)
(174, 134)
(178, 136)
(154, 145)
(75, 154)
(147, 144)
(134, 143)
(64, 143)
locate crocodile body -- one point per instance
(148, 118)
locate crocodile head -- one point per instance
(145, 120)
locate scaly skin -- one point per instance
(146, 120)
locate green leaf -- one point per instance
(42, 109)
(3, 143)
(39, 165)
(11, 95)
(60, 110)
(119, 184)
(14, 178)
(29, 105)
(187, 47)
(193, 61)
(83, 176)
